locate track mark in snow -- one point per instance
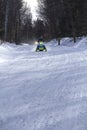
(44, 91)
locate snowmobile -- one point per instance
(41, 47)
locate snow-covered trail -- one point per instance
(43, 91)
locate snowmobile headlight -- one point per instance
(36, 42)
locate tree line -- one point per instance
(64, 17)
(56, 19)
(15, 21)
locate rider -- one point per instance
(41, 46)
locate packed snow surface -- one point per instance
(44, 90)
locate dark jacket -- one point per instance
(41, 47)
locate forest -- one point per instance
(56, 19)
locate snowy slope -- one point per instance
(44, 90)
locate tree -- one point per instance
(12, 16)
(27, 30)
(39, 28)
(64, 17)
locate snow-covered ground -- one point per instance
(44, 90)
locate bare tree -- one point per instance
(64, 17)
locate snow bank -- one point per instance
(82, 43)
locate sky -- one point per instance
(33, 4)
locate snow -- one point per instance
(44, 90)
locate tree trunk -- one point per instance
(6, 20)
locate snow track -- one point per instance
(43, 91)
